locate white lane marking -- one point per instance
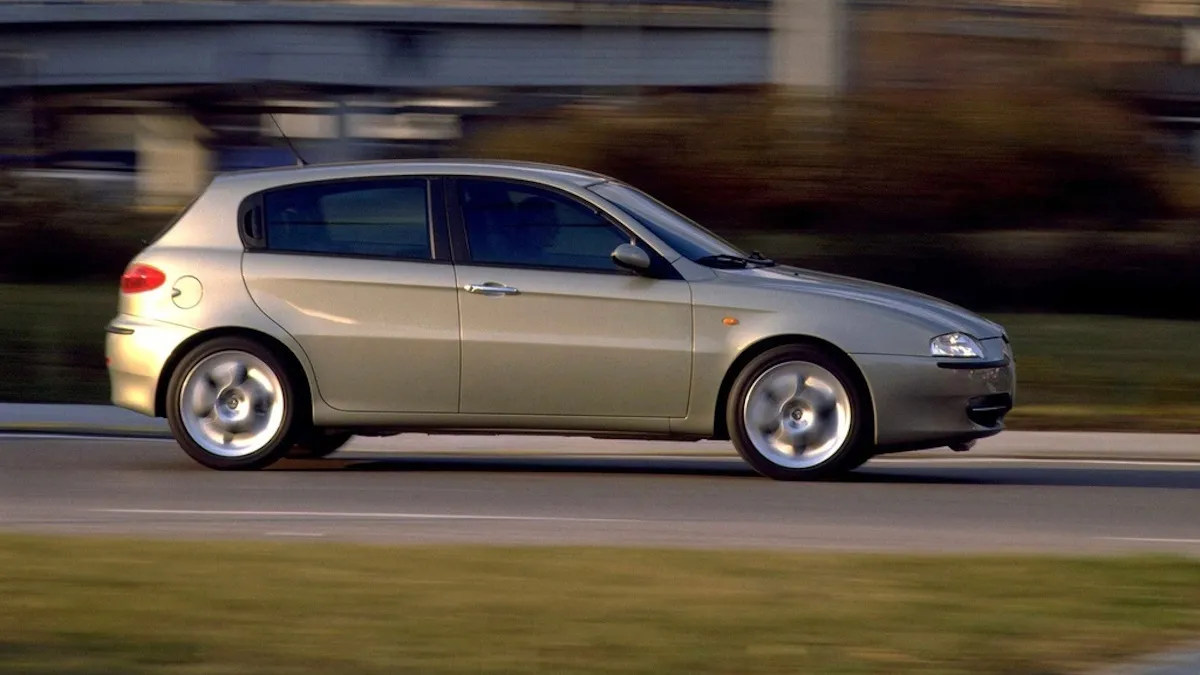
(294, 534)
(1154, 540)
(1033, 460)
(352, 514)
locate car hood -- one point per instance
(942, 314)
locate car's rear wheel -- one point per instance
(319, 443)
(796, 412)
(232, 404)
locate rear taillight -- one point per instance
(140, 278)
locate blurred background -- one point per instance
(1034, 160)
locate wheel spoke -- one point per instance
(763, 414)
(264, 397)
(238, 373)
(796, 440)
(212, 428)
(203, 398)
(781, 440)
(820, 398)
(784, 386)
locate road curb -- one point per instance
(56, 429)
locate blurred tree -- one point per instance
(962, 159)
(49, 233)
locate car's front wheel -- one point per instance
(796, 412)
(232, 404)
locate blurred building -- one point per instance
(145, 99)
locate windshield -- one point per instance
(685, 236)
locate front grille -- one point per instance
(989, 411)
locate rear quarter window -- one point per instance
(378, 217)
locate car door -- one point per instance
(359, 273)
(550, 325)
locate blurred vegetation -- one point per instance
(1104, 373)
(52, 342)
(52, 233)
(87, 605)
(1037, 199)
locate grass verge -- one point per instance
(52, 342)
(100, 606)
(1074, 372)
(1104, 373)
(1106, 418)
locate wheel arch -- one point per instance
(720, 426)
(296, 370)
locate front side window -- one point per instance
(518, 224)
(386, 218)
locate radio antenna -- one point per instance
(282, 135)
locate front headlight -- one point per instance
(956, 346)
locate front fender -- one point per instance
(729, 320)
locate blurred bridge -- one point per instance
(405, 43)
(181, 86)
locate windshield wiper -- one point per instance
(761, 259)
(726, 261)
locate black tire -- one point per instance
(294, 415)
(319, 443)
(854, 450)
(858, 461)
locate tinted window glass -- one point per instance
(517, 224)
(387, 218)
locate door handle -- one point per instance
(491, 288)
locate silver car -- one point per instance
(288, 309)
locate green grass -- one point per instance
(98, 606)
(1074, 372)
(52, 342)
(1105, 373)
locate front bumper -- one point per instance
(136, 351)
(924, 402)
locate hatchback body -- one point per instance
(288, 309)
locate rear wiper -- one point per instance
(726, 261)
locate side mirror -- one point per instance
(631, 258)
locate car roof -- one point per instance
(256, 179)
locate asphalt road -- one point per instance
(142, 487)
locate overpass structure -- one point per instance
(174, 83)
(501, 43)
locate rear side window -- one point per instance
(386, 218)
